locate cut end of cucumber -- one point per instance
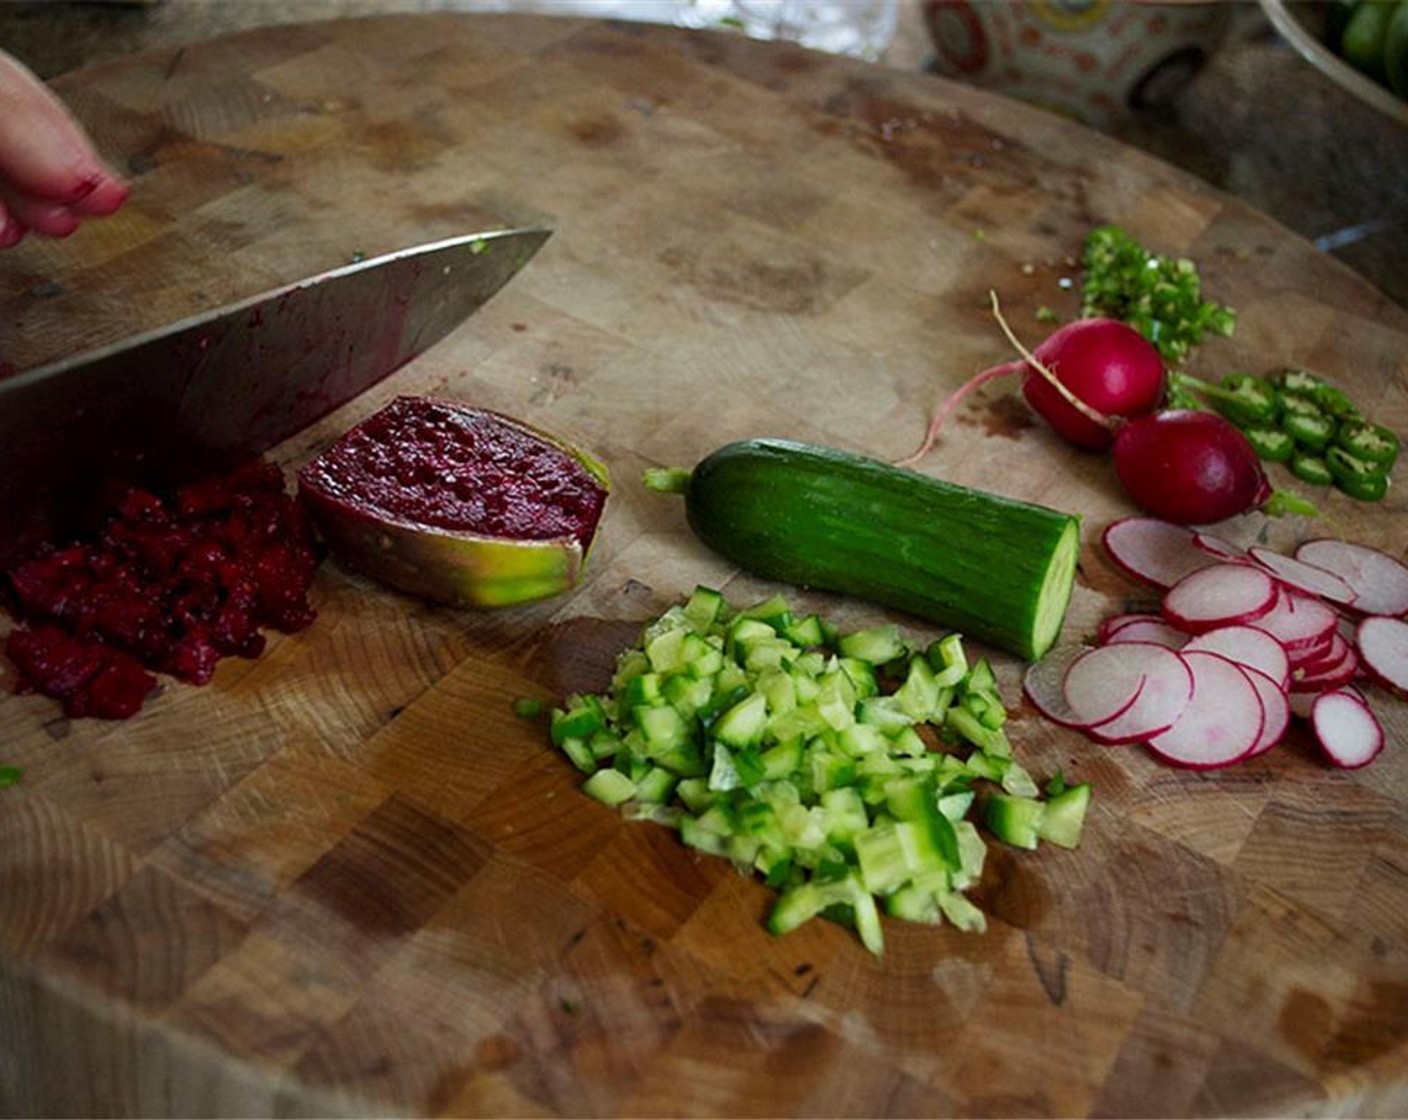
(1055, 594)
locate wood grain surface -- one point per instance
(346, 879)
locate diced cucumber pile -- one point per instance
(795, 752)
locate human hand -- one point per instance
(51, 177)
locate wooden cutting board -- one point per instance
(346, 878)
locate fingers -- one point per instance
(51, 219)
(11, 231)
(51, 177)
(43, 151)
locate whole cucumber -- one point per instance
(998, 570)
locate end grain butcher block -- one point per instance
(347, 878)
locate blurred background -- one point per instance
(1238, 97)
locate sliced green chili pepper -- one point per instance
(1342, 461)
(1298, 404)
(1271, 444)
(1246, 399)
(1371, 442)
(1336, 403)
(1368, 482)
(1294, 380)
(1309, 467)
(1313, 432)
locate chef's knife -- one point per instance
(227, 385)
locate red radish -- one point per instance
(1383, 646)
(1223, 720)
(1347, 731)
(1189, 467)
(1275, 708)
(1303, 577)
(1152, 629)
(1153, 551)
(1380, 582)
(1107, 364)
(1082, 380)
(1221, 595)
(1248, 647)
(1099, 384)
(1165, 688)
(1298, 622)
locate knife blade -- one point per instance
(227, 385)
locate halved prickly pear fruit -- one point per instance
(460, 505)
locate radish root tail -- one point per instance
(952, 402)
(1091, 414)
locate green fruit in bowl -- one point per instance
(1396, 50)
(1362, 43)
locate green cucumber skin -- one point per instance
(835, 521)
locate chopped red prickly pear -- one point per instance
(169, 586)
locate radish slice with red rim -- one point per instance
(1247, 646)
(1105, 682)
(1383, 648)
(1316, 655)
(1379, 581)
(1155, 552)
(1275, 710)
(1328, 658)
(1044, 682)
(1333, 675)
(1163, 695)
(1115, 623)
(1223, 720)
(1346, 728)
(1216, 546)
(1298, 622)
(1220, 595)
(1154, 630)
(1305, 578)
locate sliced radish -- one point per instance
(1106, 681)
(1275, 708)
(1154, 630)
(1298, 622)
(1155, 552)
(1346, 728)
(1247, 646)
(1220, 595)
(1332, 676)
(1164, 693)
(1223, 720)
(1216, 546)
(1325, 657)
(1112, 625)
(1383, 647)
(1380, 582)
(1044, 683)
(1308, 579)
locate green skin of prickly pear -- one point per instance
(455, 568)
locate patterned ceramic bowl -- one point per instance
(1095, 60)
